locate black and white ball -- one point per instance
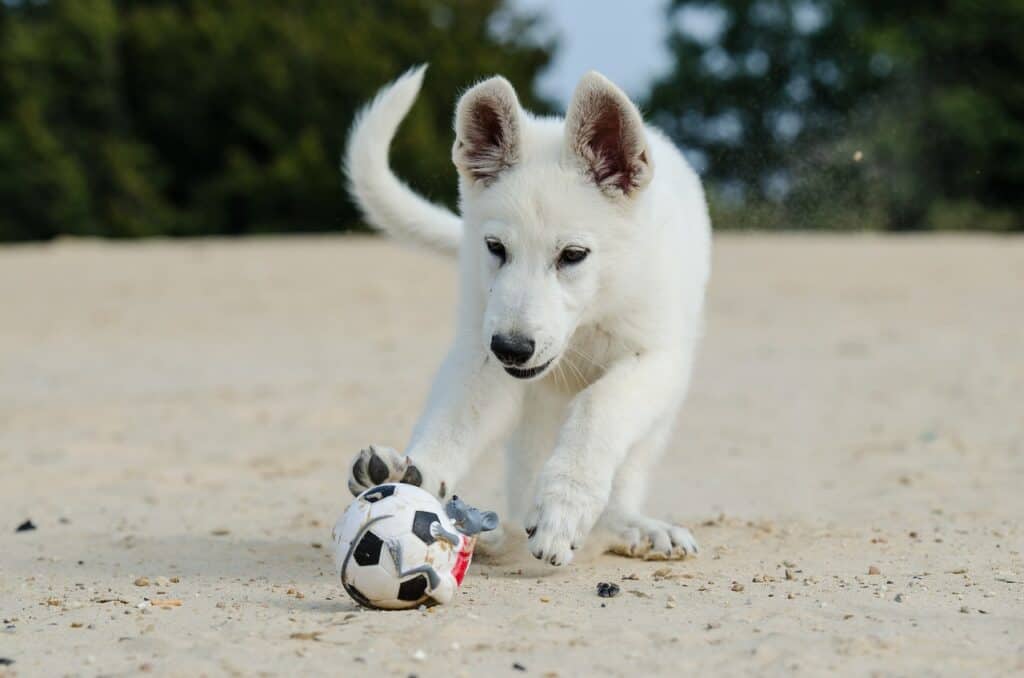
(363, 545)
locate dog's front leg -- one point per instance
(472, 404)
(604, 420)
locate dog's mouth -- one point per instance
(527, 372)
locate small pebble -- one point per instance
(898, 598)
(607, 590)
(874, 570)
(964, 609)
(26, 526)
(736, 586)
(142, 581)
(518, 667)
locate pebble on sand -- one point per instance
(26, 526)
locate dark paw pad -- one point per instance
(359, 473)
(377, 469)
(412, 476)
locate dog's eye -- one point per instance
(572, 255)
(495, 247)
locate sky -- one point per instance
(623, 39)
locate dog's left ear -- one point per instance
(487, 130)
(604, 137)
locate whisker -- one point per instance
(577, 370)
(588, 358)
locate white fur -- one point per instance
(620, 327)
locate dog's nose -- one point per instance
(512, 349)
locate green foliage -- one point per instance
(835, 114)
(183, 117)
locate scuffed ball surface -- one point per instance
(384, 515)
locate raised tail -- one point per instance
(387, 203)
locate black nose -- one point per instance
(512, 349)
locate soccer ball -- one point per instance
(384, 532)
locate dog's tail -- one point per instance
(387, 203)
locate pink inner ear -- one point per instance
(612, 166)
(485, 147)
(487, 128)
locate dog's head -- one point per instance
(546, 205)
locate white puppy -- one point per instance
(584, 252)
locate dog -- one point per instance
(583, 251)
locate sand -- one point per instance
(183, 412)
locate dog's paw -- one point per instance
(559, 522)
(377, 464)
(637, 536)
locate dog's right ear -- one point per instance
(605, 137)
(487, 131)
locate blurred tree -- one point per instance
(839, 114)
(138, 117)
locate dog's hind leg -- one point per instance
(629, 531)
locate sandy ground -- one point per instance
(184, 411)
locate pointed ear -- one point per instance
(604, 136)
(487, 130)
